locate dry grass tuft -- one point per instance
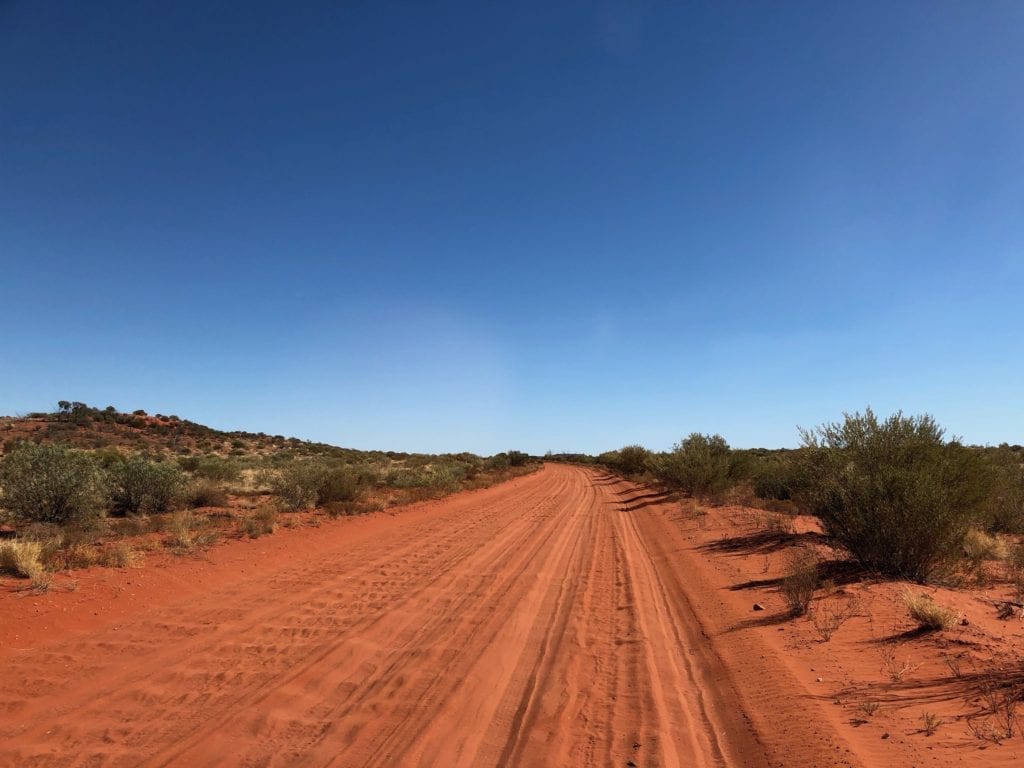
(262, 521)
(39, 584)
(123, 555)
(869, 708)
(21, 557)
(77, 555)
(928, 614)
(181, 529)
(800, 581)
(980, 547)
(931, 723)
(779, 524)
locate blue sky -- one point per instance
(478, 226)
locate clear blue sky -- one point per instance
(471, 225)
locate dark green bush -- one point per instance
(699, 465)
(518, 458)
(895, 493)
(137, 485)
(632, 460)
(778, 478)
(402, 477)
(498, 461)
(51, 484)
(1006, 504)
(336, 484)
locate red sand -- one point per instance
(565, 618)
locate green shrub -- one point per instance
(497, 462)
(632, 459)
(698, 465)
(518, 458)
(336, 484)
(137, 485)
(367, 475)
(406, 478)
(1006, 511)
(894, 493)
(216, 468)
(445, 477)
(297, 484)
(777, 479)
(51, 484)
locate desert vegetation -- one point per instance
(85, 486)
(922, 532)
(894, 494)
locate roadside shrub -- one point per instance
(298, 484)
(367, 475)
(698, 465)
(406, 478)
(777, 479)
(632, 459)
(51, 483)
(894, 492)
(336, 484)
(497, 461)
(445, 477)
(518, 459)
(1006, 512)
(928, 614)
(206, 493)
(21, 557)
(137, 485)
(800, 582)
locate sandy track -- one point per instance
(535, 623)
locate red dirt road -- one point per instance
(555, 620)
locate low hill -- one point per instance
(83, 426)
